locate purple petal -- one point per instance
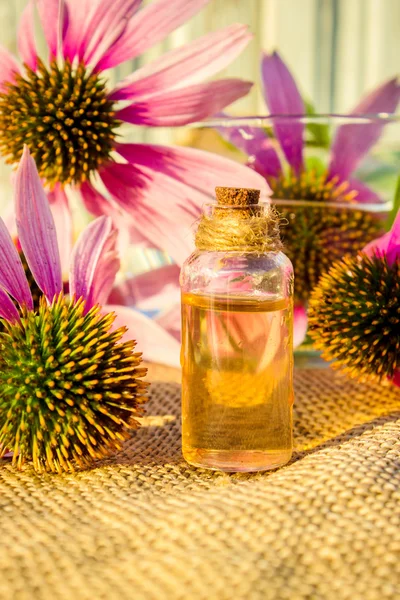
(36, 228)
(26, 36)
(353, 142)
(155, 290)
(149, 26)
(260, 149)
(283, 98)
(186, 65)
(63, 221)
(183, 106)
(12, 275)
(53, 17)
(396, 378)
(94, 263)
(9, 68)
(156, 344)
(7, 308)
(300, 325)
(197, 169)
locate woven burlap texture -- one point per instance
(145, 525)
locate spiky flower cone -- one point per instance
(354, 316)
(69, 389)
(317, 233)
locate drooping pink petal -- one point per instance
(147, 27)
(162, 208)
(101, 27)
(365, 194)
(26, 36)
(197, 169)
(78, 15)
(170, 320)
(283, 98)
(299, 325)
(53, 16)
(36, 228)
(8, 310)
(94, 263)
(94, 201)
(186, 65)
(388, 244)
(12, 275)
(353, 141)
(183, 106)
(154, 290)
(8, 68)
(63, 221)
(164, 189)
(156, 344)
(254, 142)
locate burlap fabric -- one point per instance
(145, 525)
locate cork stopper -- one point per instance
(230, 196)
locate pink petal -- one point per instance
(300, 325)
(164, 189)
(149, 26)
(7, 308)
(94, 263)
(26, 36)
(283, 98)
(36, 228)
(353, 142)
(183, 106)
(63, 221)
(8, 68)
(197, 169)
(78, 16)
(53, 16)
(12, 275)
(94, 201)
(393, 249)
(102, 27)
(154, 290)
(156, 344)
(170, 320)
(388, 244)
(186, 65)
(161, 207)
(254, 142)
(365, 195)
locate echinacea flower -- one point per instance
(315, 236)
(354, 311)
(71, 121)
(70, 387)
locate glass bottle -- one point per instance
(237, 339)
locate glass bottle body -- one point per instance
(237, 360)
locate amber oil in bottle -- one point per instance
(237, 359)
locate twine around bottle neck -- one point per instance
(238, 223)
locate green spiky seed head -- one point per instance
(354, 316)
(70, 390)
(315, 237)
(64, 117)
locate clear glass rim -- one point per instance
(376, 207)
(316, 119)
